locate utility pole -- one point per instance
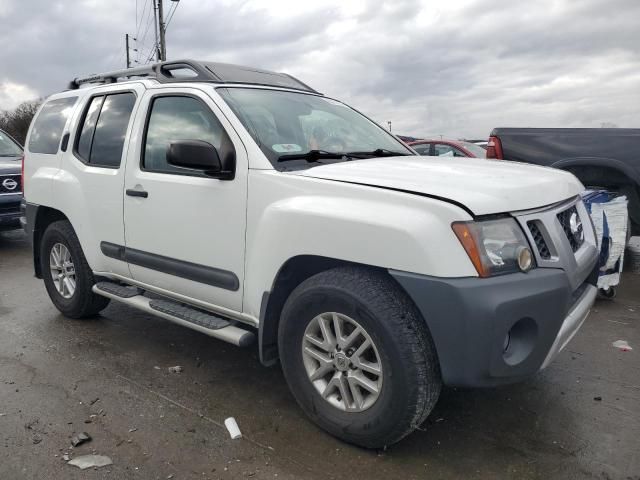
(163, 46)
(155, 26)
(126, 41)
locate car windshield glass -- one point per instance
(286, 124)
(477, 150)
(9, 148)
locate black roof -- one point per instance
(193, 71)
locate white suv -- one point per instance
(242, 203)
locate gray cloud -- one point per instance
(457, 68)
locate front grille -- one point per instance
(564, 218)
(539, 240)
(10, 184)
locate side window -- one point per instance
(89, 126)
(458, 153)
(422, 149)
(177, 118)
(442, 150)
(104, 127)
(47, 128)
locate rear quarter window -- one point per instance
(48, 125)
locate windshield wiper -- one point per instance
(311, 156)
(378, 152)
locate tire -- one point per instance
(633, 199)
(608, 293)
(410, 381)
(82, 302)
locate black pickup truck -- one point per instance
(608, 158)
(10, 182)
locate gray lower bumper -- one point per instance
(10, 211)
(498, 330)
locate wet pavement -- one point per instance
(109, 377)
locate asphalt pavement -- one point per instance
(109, 376)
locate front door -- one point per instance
(184, 231)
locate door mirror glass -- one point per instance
(194, 154)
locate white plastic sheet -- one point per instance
(616, 216)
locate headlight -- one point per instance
(495, 246)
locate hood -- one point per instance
(482, 186)
(10, 165)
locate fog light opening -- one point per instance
(525, 259)
(520, 341)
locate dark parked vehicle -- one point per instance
(10, 182)
(447, 148)
(607, 158)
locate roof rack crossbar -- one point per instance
(112, 77)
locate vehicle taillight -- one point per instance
(22, 174)
(494, 148)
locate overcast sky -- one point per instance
(454, 67)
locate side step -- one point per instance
(186, 316)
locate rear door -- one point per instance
(88, 188)
(185, 231)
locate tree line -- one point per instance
(16, 122)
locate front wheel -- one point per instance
(67, 276)
(358, 357)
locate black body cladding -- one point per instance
(190, 271)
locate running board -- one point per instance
(204, 322)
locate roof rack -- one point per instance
(192, 71)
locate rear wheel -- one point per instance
(358, 357)
(67, 276)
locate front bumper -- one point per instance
(10, 211)
(493, 331)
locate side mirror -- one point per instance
(194, 154)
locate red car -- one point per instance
(448, 148)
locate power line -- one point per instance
(144, 36)
(144, 8)
(170, 16)
(153, 14)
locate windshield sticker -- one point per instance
(286, 147)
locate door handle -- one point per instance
(137, 193)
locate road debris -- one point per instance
(622, 345)
(89, 461)
(233, 428)
(65, 457)
(80, 439)
(94, 400)
(176, 369)
(597, 399)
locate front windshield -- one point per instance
(477, 150)
(287, 123)
(9, 148)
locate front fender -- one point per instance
(354, 223)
